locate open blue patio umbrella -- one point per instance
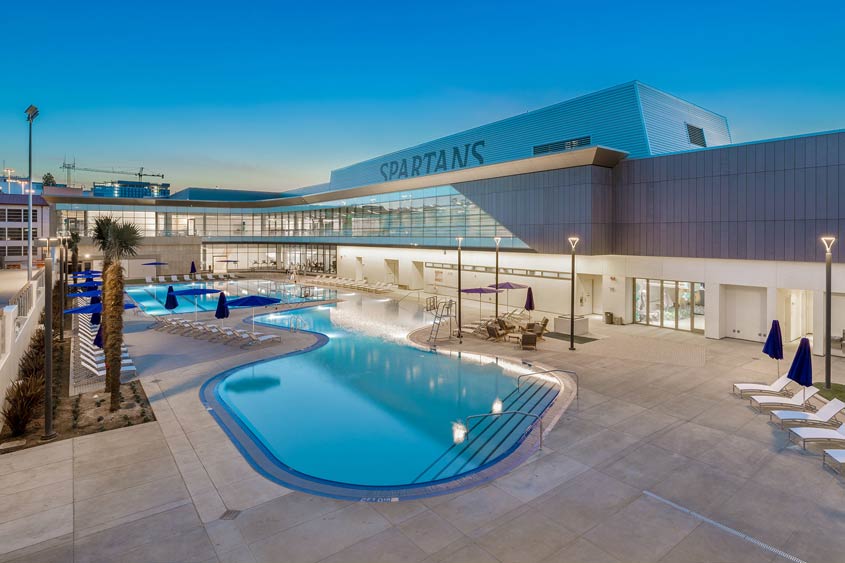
(193, 267)
(154, 264)
(87, 285)
(170, 302)
(508, 286)
(93, 308)
(95, 317)
(86, 273)
(254, 301)
(89, 293)
(529, 302)
(222, 311)
(98, 338)
(773, 347)
(480, 291)
(195, 292)
(801, 370)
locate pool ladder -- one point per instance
(294, 323)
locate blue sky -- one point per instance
(273, 95)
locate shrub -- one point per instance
(22, 401)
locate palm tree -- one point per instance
(118, 240)
(73, 246)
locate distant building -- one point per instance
(13, 227)
(130, 189)
(16, 185)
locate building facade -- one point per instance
(679, 228)
(14, 228)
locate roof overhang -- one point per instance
(587, 156)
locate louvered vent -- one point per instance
(560, 146)
(696, 135)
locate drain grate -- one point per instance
(230, 514)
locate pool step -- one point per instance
(491, 437)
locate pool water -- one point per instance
(150, 297)
(369, 409)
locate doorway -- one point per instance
(678, 305)
(359, 268)
(417, 280)
(391, 270)
(745, 312)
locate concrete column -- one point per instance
(714, 314)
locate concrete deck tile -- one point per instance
(110, 480)
(689, 439)
(645, 424)
(241, 555)
(710, 544)
(587, 500)
(36, 457)
(643, 531)
(190, 546)
(317, 539)
(36, 528)
(282, 513)
(34, 500)
(209, 505)
(34, 477)
(389, 546)
(818, 546)
(398, 512)
(475, 507)
(528, 538)
(59, 554)
(581, 551)
(569, 430)
(430, 532)
(539, 477)
(249, 493)
(699, 487)
(601, 447)
(471, 553)
(646, 466)
(610, 412)
(736, 455)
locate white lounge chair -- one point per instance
(778, 387)
(825, 415)
(209, 277)
(808, 434)
(161, 279)
(795, 402)
(174, 278)
(221, 277)
(102, 372)
(148, 279)
(187, 278)
(837, 457)
(257, 339)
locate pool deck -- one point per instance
(655, 420)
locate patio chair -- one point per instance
(540, 328)
(161, 279)
(825, 415)
(102, 372)
(174, 278)
(528, 341)
(795, 402)
(187, 278)
(256, 339)
(221, 277)
(837, 457)
(808, 434)
(148, 279)
(209, 277)
(495, 333)
(776, 388)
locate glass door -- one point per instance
(684, 308)
(640, 301)
(698, 297)
(670, 304)
(655, 307)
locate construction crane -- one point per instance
(140, 174)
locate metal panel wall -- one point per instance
(544, 208)
(770, 200)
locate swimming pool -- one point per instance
(150, 297)
(366, 409)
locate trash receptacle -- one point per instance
(608, 318)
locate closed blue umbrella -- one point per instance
(222, 311)
(773, 347)
(95, 317)
(193, 267)
(253, 301)
(529, 302)
(801, 370)
(170, 302)
(98, 339)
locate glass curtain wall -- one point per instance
(317, 258)
(669, 304)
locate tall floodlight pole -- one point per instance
(49, 433)
(572, 241)
(828, 266)
(8, 172)
(62, 280)
(460, 320)
(31, 114)
(497, 240)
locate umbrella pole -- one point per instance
(195, 308)
(253, 321)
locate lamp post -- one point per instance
(828, 266)
(9, 172)
(497, 240)
(31, 114)
(63, 279)
(49, 433)
(460, 323)
(572, 241)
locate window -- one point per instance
(14, 215)
(560, 146)
(696, 135)
(14, 233)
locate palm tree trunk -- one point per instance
(113, 330)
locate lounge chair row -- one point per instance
(192, 277)
(360, 285)
(805, 426)
(227, 335)
(93, 358)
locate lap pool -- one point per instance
(364, 410)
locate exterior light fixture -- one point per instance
(498, 241)
(460, 318)
(459, 432)
(31, 114)
(497, 406)
(828, 275)
(572, 241)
